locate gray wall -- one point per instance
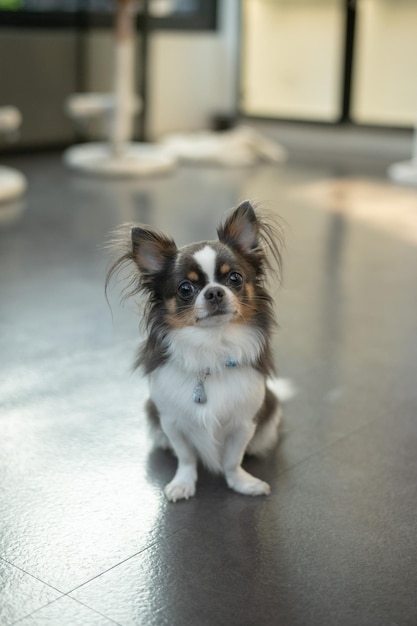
(37, 73)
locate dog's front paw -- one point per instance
(245, 483)
(179, 490)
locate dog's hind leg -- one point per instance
(267, 424)
(159, 438)
(278, 391)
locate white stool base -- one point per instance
(138, 159)
(405, 172)
(12, 184)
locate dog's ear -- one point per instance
(241, 229)
(151, 250)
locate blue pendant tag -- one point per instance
(199, 393)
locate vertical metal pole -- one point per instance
(414, 149)
(124, 93)
(350, 13)
(143, 74)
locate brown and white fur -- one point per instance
(208, 318)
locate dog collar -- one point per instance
(199, 391)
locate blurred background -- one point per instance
(171, 112)
(322, 61)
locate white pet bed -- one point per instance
(405, 172)
(137, 159)
(242, 146)
(12, 184)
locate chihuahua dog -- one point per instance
(208, 318)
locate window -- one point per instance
(163, 14)
(330, 61)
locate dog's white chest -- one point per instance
(233, 397)
(226, 392)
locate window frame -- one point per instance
(204, 18)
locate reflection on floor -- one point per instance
(86, 536)
(378, 203)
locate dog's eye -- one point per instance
(186, 290)
(235, 279)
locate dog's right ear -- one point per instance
(151, 250)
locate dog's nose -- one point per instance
(214, 295)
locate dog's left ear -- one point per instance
(241, 229)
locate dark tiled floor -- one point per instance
(86, 534)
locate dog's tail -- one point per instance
(266, 434)
(283, 388)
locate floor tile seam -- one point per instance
(35, 611)
(328, 446)
(94, 610)
(21, 569)
(64, 595)
(67, 593)
(122, 562)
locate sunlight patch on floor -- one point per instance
(385, 206)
